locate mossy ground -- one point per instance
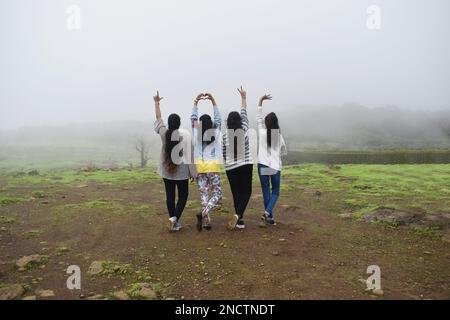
(74, 217)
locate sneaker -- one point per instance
(240, 224)
(232, 224)
(199, 221)
(207, 221)
(264, 220)
(177, 226)
(171, 223)
(271, 221)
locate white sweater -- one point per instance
(272, 157)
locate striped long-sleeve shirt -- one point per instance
(243, 156)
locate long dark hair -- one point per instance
(271, 122)
(234, 122)
(206, 124)
(173, 123)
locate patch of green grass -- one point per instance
(362, 212)
(10, 200)
(286, 187)
(61, 250)
(112, 268)
(428, 232)
(5, 219)
(33, 265)
(391, 225)
(355, 204)
(39, 194)
(75, 177)
(32, 234)
(134, 289)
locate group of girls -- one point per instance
(200, 156)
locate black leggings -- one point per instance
(241, 187)
(183, 192)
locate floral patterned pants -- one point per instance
(210, 190)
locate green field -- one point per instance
(360, 188)
(117, 215)
(357, 188)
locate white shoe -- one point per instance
(177, 226)
(171, 223)
(232, 224)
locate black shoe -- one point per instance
(240, 224)
(199, 221)
(271, 221)
(207, 226)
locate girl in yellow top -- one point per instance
(207, 157)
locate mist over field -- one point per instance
(348, 127)
(86, 93)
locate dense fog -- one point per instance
(350, 74)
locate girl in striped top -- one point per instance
(238, 161)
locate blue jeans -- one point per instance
(269, 177)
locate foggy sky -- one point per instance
(314, 52)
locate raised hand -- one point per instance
(209, 96)
(242, 92)
(200, 96)
(263, 98)
(157, 98)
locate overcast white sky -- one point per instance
(303, 52)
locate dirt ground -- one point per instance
(308, 255)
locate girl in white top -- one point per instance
(271, 147)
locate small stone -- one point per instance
(282, 240)
(147, 293)
(378, 292)
(121, 295)
(95, 268)
(275, 253)
(29, 260)
(45, 293)
(11, 292)
(29, 298)
(95, 297)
